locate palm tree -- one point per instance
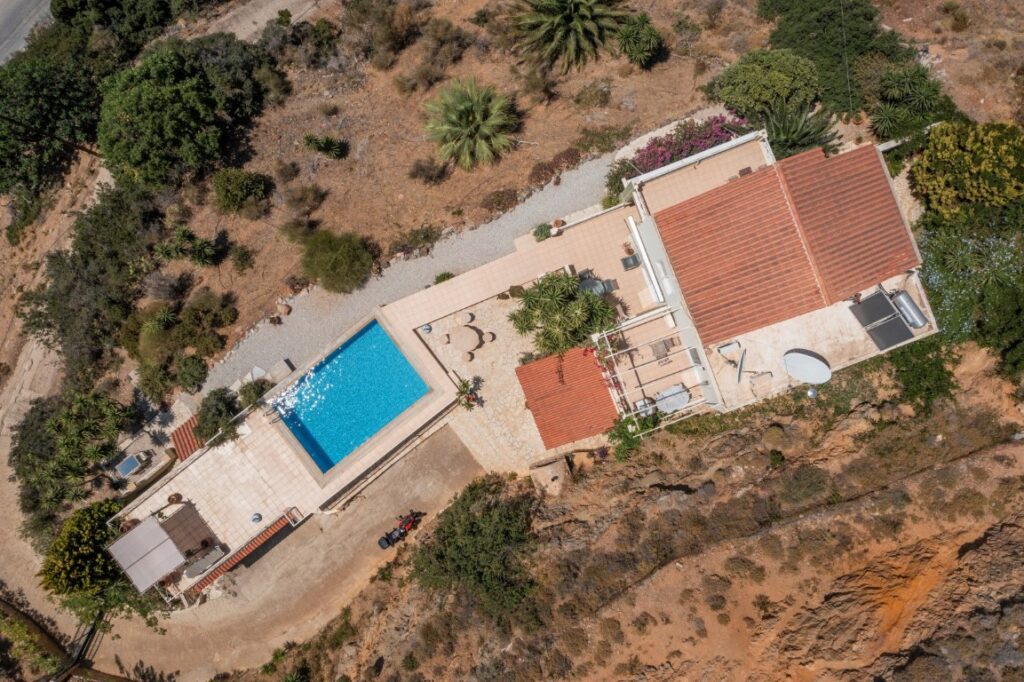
(560, 315)
(887, 119)
(568, 30)
(794, 129)
(471, 124)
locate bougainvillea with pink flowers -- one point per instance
(688, 138)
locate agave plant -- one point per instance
(793, 129)
(887, 119)
(570, 31)
(471, 124)
(560, 315)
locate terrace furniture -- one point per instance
(663, 347)
(490, 336)
(631, 262)
(446, 339)
(205, 562)
(465, 317)
(465, 338)
(672, 399)
(645, 407)
(467, 357)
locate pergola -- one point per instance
(642, 366)
(147, 553)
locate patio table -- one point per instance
(465, 338)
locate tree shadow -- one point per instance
(144, 673)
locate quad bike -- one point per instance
(406, 524)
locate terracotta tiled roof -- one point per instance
(185, 440)
(568, 397)
(238, 556)
(850, 219)
(785, 240)
(739, 259)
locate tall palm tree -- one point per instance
(568, 30)
(794, 129)
(471, 124)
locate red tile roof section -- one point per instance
(786, 240)
(185, 440)
(568, 397)
(738, 258)
(850, 218)
(238, 556)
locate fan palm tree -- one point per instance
(794, 129)
(560, 315)
(568, 30)
(471, 124)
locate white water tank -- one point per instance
(909, 310)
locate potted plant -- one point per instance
(627, 246)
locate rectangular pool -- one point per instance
(349, 396)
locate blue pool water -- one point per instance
(349, 396)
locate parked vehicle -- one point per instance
(406, 524)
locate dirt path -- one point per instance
(247, 19)
(291, 590)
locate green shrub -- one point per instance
(236, 190)
(190, 372)
(471, 124)
(480, 544)
(22, 646)
(763, 78)
(834, 36)
(967, 163)
(409, 662)
(331, 147)
(443, 277)
(242, 258)
(639, 40)
(624, 436)
(341, 263)
(251, 392)
(923, 370)
(542, 232)
(559, 314)
(217, 411)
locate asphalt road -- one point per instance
(17, 17)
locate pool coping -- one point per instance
(372, 453)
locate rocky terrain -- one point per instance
(852, 538)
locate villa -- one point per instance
(734, 277)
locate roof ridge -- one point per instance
(780, 174)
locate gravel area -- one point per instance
(319, 317)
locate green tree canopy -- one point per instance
(181, 108)
(762, 78)
(471, 124)
(971, 163)
(91, 288)
(559, 315)
(479, 545)
(47, 107)
(216, 412)
(341, 263)
(85, 579)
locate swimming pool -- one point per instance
(349, 396)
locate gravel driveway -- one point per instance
(319, 317)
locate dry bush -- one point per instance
(500, 200)
(716, 602)
(643, 621)
(723, 618)
(285, 171)
(611, 630)
(742, 567)
(304, 199)
(429, 171)
(594, 94)
(542, 173)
